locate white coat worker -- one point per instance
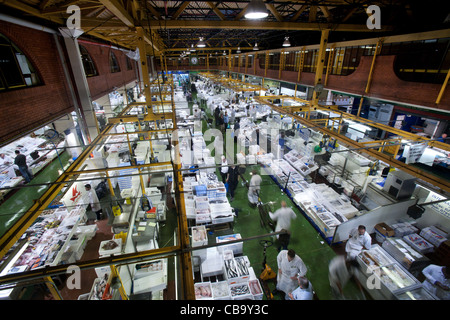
(359, 239)
(224, 169)
(340, 272)
(232, 115)
(93, 201)
(197, 114)
(5, 159)
(290, 267)
(283, 218)
(437, 281)
(254, 187)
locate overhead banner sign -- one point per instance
(412, 153)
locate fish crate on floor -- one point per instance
(240, 291)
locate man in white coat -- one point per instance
(290, 267)
(437, 281)
(93, 201)
(254, 187)
(359, 240)
(283, 218)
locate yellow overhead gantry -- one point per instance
(437, 181)
(181, 249)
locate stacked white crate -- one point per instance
(202, 210)
(235, 247)
(221, 290)
(203, 291)
(199, 236)
(255, 289)
(240, 267)
(243, 286)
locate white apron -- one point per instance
(289, 269)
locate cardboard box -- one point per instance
(384, 229)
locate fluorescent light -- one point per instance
(201, 43)
(256, 9)
(286, 42)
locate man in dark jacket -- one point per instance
(233, 178)
(21, 162)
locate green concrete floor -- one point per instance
(305, 239)
(22, 199)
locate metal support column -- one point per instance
(82, 88)
(143, 63)
(444, 85)
(320, 64)
(372, 67)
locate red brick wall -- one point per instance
(385, 83)
(105, 81)
(22, 110)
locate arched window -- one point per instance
(16, 71)
(88, 64)
(113, 63)
(129, 63)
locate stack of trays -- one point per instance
(418, 243)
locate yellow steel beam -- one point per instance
(401, 133)
(299, 12)
(329, 63)
(320, 64)
(185, 258)
(135, 118)
(360, 106)
(13, 234)
(52, 288)
(438, 182)
(139, 166)
(444, 85)
(265, 25)
(280, 67)
(345, 115)
(120, 12)
(180, 10)
(90, 264)
(143, 62)
(301, 62)
(274, 11)
(372, 66)
(216, 11)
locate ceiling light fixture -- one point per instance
(255, 47)
(238, 50)
(201, 43)
(192, 48)
(286, 42)
(256, 9)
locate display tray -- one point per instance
(390, 277)
(416, 294)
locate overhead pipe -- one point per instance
(27, 24)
